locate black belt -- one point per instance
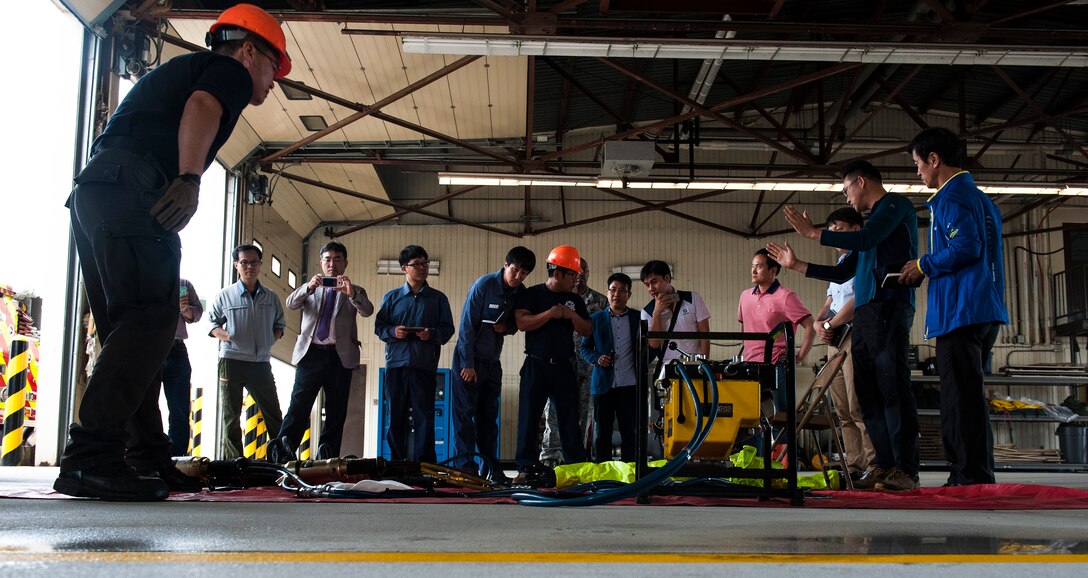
(327, 347)
(549, 360)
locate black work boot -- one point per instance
(174, 479)
(116, 483)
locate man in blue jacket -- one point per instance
(610, 350)
(966, 299)
(486, 319)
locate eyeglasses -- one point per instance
(846, 187)
(247, 263)
(419, 265)
(618, 290)
(275, 61)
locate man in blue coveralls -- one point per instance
(486, 319)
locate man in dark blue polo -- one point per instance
(414, 322)
(486, 319)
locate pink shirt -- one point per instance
(761, 312)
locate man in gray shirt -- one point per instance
(248, 319)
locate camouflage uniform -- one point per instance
(550, 450)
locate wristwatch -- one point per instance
(827, 325)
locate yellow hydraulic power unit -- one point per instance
(738, 407)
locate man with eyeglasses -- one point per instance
(883, 317)
(832, 321)
(248, 320)
(486, 319)
(139, 188)
(327, 349)
(549, 313)
(611, 351)
(414, 321)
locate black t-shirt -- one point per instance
(152, 110)
(553, 338)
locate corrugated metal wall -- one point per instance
(713, 263)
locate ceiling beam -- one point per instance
(802, 155)
(672, 212)
(1042, 111)
(394, 204)
(373, 108)
(362, 107)
(571, 79)
(652, 207)
(910, 76)
(401, 213)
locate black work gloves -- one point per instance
(178, 203)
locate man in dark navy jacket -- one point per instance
(486, 319)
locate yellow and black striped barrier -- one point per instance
(196, 423)
(304, 447)
(18, 367)
(254, 434)
(249, 427)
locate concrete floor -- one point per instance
(90, 538)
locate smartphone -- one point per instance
(328, 281)
(184, 291)
(415, 329)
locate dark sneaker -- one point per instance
(898, 481)
(119, 484)
(869, 480)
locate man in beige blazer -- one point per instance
(327, 350)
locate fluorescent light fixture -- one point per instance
(634, 271)
(515, 180)
(830, 185)
(733, 49)
(392, 267)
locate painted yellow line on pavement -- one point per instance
(530, 558)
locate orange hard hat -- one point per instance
(566, 257)
(254, 20)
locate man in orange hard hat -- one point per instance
(548, 313)
(138, 190)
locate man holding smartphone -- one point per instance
(414, 321)
(177, 372)
(327, 350)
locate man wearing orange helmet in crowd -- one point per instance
(138, 190)
(548, 313)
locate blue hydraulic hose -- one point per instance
(660, 475)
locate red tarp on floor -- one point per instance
(979, 497)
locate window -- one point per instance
(292, 280)
(258, 244)
(275, 266)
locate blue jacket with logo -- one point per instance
(602, 342)
(964, 265)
